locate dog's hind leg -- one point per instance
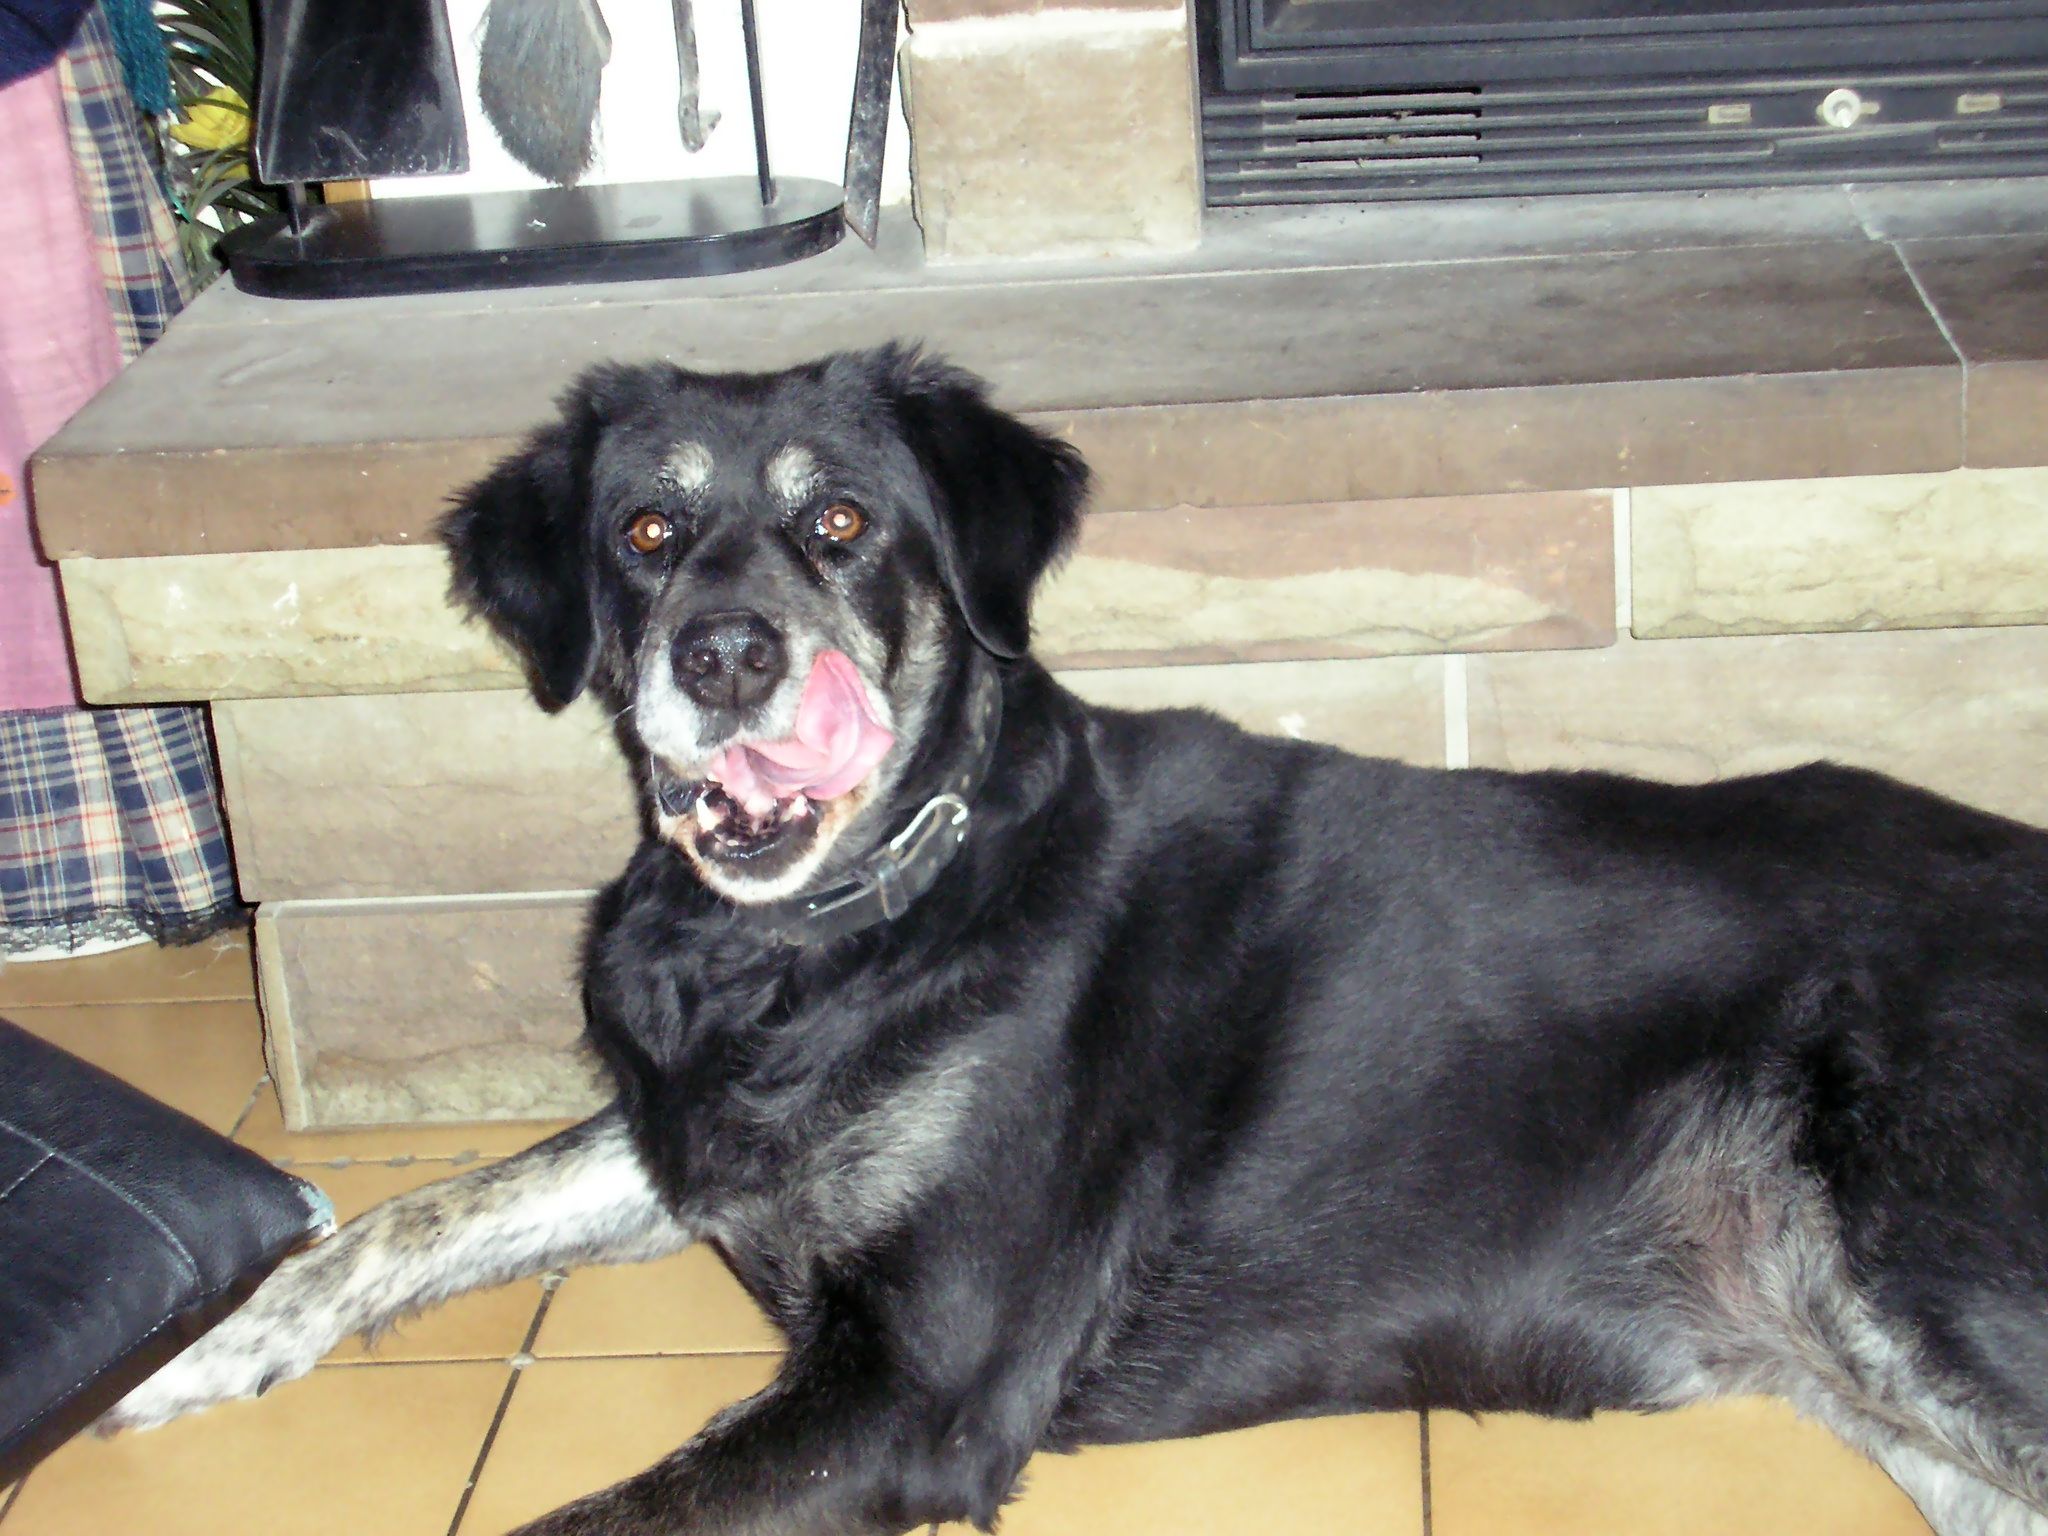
(580, 1197)
(1955, 1502)
(1768, 1304)
(1972, 1464)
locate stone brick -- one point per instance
(1319, 581)
(2008, 405)
(430, 1009)
(1341, 579)
(1964, 712)
(1067, 133)
(1386, 708)
(264, 624)
(391, 795)
(1872, 552)
(422, 794)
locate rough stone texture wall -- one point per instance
(273, 623)
(1876, 552)
(381, 1012)
(422, 794)
(1963, 711)
(1054, 133)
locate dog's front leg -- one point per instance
(579, 1197)
(851, 1439)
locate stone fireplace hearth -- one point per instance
(1685, 484)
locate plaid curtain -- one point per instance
(134, 235)
(109, 825)
(110, 820)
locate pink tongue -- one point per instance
(837, 740)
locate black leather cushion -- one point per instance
(126, 1230)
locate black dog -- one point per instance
(1057, 1075)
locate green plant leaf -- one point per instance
(211, 43)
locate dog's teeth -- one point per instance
(707, 818)
(791, 808)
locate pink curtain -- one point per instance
(57, 348)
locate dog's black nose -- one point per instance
(729, 660)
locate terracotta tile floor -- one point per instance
(491, 1410)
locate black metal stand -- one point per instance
(519, 239)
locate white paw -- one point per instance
(279, 1333)
(240, 1358)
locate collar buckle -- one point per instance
(907, 843)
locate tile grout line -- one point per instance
(1428, 1513)
(1457, 725)
(465, 1159)
(1624, 563)
(762, 1353)
(517, 1370)
(122, 1002)
(249, 1106)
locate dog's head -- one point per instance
(774, 577)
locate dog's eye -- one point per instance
(842, 523)
(648, 532)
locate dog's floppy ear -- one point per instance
(1008, 496)
(516, 542)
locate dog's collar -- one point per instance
(884, 884)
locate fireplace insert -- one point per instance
(1354, 100)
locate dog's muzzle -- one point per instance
(757, 807)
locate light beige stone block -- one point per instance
(422, 794)
(453, 793)
(1065, 133)
(1874, 552)
(430, 1009)
(1964, 712)
(270, 623)
(1392, 707)
(1334, 579)
(325, 622)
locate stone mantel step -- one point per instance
(1296, 356)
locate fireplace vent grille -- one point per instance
(1305, 146)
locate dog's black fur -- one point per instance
(1224, 1079)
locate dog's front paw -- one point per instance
(279, 1333)
(240, 1358)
